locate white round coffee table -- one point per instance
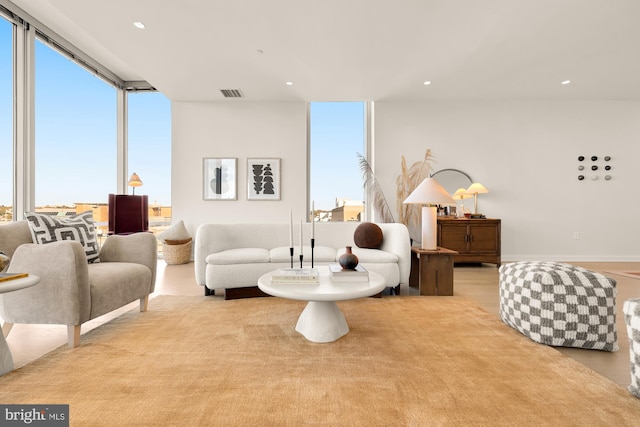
(322, 321)
(6, 361)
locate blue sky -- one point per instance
(76, 133)
(76, 137)
(337, 135)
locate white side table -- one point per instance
(322, 321)
(6, 361)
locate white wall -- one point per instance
(525, 153)
(241, 130)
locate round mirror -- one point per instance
(452, 179)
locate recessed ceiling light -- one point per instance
(566, 82)
(427, 83)
(139, 24)
(289, 83)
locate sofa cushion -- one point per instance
(48, 229)
(320, 254)
(239, 256)
(114, 284)
(372, 255)
(368, 235)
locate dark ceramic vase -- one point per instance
(348, 260)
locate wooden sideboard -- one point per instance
(475, 240)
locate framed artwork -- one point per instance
(219, 178)
(263, 179)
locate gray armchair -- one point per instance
(72, 291)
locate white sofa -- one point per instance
(233, 256)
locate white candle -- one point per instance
(300, 237)
(290, 229)
(313, 221)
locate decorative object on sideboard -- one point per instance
(429, 193)
(134, 181)
(348, 260)
(475, 189)
(460, 194)
(219, 179)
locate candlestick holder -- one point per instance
(301, 256)
(313, 244)
(291, 255)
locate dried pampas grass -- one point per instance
(376, 196)
(407, 181)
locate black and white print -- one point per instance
(263, 179)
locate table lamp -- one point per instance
(431, 193)
(460, 195)
(475, 189)
(134, 182)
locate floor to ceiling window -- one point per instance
(6, 120)
(75, 137)
(337, 136)
(149, 152)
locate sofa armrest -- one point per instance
(140, 248)
(63, 294)
(396, 240)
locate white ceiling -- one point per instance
(336, 50)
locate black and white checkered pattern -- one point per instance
(631, 310)
(559, 304)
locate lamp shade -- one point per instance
(430, 192)
(477, 188)
(135, 180)
(460, 193)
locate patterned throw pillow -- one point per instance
(48, 229)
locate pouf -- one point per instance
(631, 310)
(559, 304)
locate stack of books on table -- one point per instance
(338, 274)
(296, 275)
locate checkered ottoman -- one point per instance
(559, 304)
(631, 310)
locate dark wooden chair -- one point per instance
(128, 214)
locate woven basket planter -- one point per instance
(177, 252)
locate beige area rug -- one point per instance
(407, 361)
(632, 274)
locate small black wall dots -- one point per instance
(594, 167)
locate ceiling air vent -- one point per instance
(232, 93)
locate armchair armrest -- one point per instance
(397, 241)
(140, 248)
(63, 294)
